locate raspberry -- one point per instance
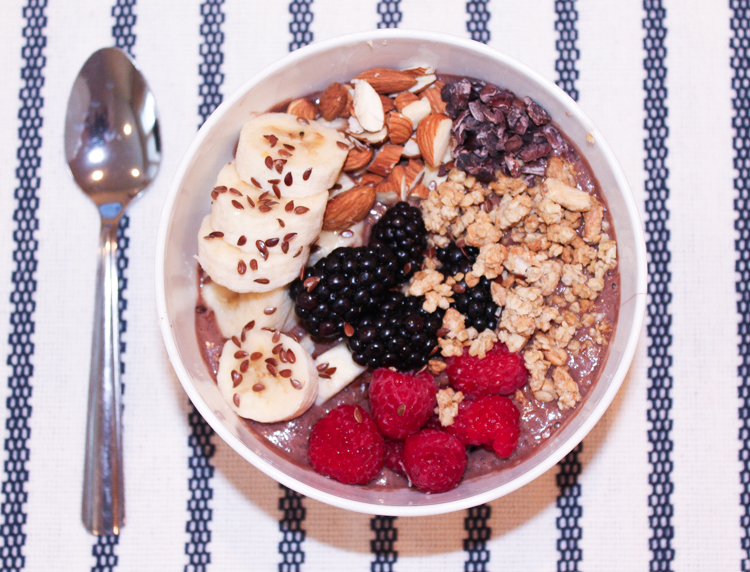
(492, 421)
(500, 372)
(434, 460)
(401, 403)
(346, 445)
(394, 456)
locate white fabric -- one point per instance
(244, 524)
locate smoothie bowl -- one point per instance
(400, 273)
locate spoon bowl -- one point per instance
(113, 148)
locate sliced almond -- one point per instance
(414, 173)
(411, 149)
(348, 208)
(358, 158)
(420, 191)
(403, 99)
(416, 72)
(422, 82)
(370, 179)
(367, 107)
(388, 192)
(432, 94)
(386, 80)
(303, 108)
(417, 111)
(385, 160)
(333, 101)
(399, 127)
(433, 137)
(387, 102)
(372, 138)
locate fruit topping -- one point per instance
(398, 334)
(434, 460)
(475, 303)
(401, 403)
(346, 445)
(492, 421)
(342, 287)
(500, 372)
(403, 230)
(394, 456)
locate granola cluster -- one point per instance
(546, 250)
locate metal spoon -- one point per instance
(113, 148)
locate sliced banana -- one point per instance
(336, 370)
(330, 240)
(304, 155)
(234, 311)
(246, 213)
(267, 378)
(243, 272)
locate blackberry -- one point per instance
(403, 230)
(475, 303)
(399, 334)
(351, 282)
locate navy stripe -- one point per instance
(476, 525)
(568, 521)
(479, 16)
(390, 13)
(383, 545)
(659, 321)
(200, 442)
(23, 278)
(290, 503)
(740, 63)
(103, 550)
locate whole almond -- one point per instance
(433, 137)
(359, 156)
(386, 158)
(400, 127)
(333, 101)
(303, 108)
(386, 80)
(348, 208)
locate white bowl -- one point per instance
(311, 69)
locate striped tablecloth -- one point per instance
(662, 483)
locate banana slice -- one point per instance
(336, 370)
(267, 378)
(243, 272)
(234, 311)
(304, 155)
(330, 240)
(247, 214)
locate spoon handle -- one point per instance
(103, 491)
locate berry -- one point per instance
(351, 282)
(394, 456)
(434, 460)
(492, 421)
(346, 445)
(401, 403)
(403, 230)
(398, 333)
(500, 372)
(474, 303)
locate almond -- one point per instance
(386, 158)
(348, 208)
(387, 102)
(370, 179)
(403, 99)
(400, 127)
(421, 191)
(416, 72)
(414, 173)
(386, 80)
(303, 108)
(388, 192)
(368, 108)
(333, 101)
(432, 94)
(359, 156)
(433, 136)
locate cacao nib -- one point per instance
(482, 169)
(554, 137)
(535, 168)
(513, 144)
(513, 166)
(456, 95)
(536, 112)
(534, 151)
